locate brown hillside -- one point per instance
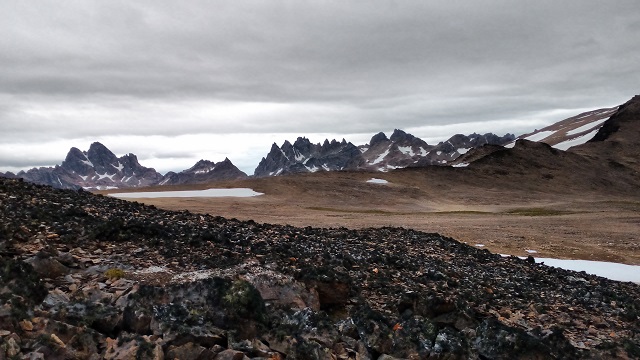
(617, 142)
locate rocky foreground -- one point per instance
(91, 277)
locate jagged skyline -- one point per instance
(100, 168)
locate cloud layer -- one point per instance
(154, 73)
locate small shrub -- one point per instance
(114, 273)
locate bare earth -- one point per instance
(568, 225)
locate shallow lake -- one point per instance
(234, 192)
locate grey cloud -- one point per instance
(14, 162)
(305, 51)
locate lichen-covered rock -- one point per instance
(48, 267)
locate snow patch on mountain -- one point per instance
(407, 150)
(576, 140)
(380, 157)
(594, 125)
(540, 135)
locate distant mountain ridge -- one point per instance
(204, 171)
(303, 156)
(100, 169)
(97, 168)
(382, 153)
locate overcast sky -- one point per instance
(178, 81)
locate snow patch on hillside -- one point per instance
(576, 141)
(540, 136)
(586, 127)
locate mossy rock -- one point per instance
(244, 301)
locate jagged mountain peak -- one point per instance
(98, 146)
(399, 135)
(77, 161)
(378, 138)
(301, 142)
(75, 153)
(102, 158)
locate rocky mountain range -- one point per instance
(303, 156)
(380, 154)
(85, 276)
(100, 169)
